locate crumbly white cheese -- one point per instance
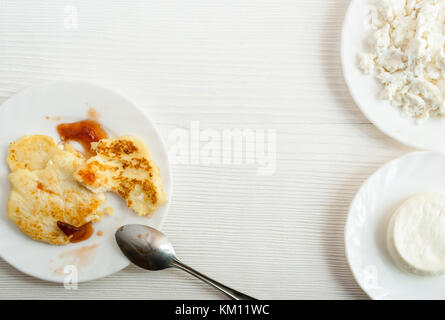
(406, 55)
(416, 234)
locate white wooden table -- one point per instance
(227, 64)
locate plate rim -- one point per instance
(157, 132)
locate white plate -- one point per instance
(364, 88)
(25, 113)
(369, 213)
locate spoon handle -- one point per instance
(231, 293)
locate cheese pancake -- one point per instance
(31, 152)
(44, 190)
(124, 165)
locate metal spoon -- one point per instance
(150, 249)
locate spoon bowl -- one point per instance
(146, 247)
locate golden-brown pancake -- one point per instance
(44, 190)
(124, 165)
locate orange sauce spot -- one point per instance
(93, 114)
(80, 257)
(76, 234)
(84, 132)
(53, 118)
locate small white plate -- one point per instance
(365, 88)
(26, 113)
(366, 227)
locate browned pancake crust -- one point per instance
(124, 165)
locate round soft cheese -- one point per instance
(416, 234)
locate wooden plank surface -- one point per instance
(227, 64)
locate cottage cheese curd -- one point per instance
(406, 55)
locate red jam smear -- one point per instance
(84, 132)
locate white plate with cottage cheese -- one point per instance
(395, 231)
(394, 65)
(38, 110)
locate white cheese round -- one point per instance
(416, 234)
